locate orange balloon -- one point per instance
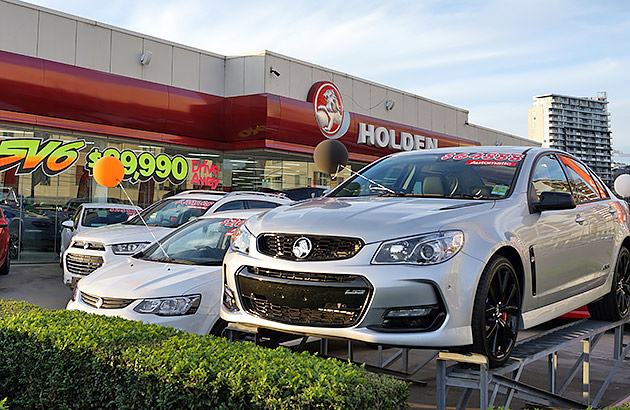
(108, 171)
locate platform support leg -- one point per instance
(350, 351)
(618, 342)
(552, 360)
(586, 370)
(441, 384)
(405, 360)
(323, 347)
(483, 386)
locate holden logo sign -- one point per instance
(302, 247)
(333, 121)
(99, 303)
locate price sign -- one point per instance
(144, 166)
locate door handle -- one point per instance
(579, 219)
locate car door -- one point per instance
(559, 249)
(591, 199)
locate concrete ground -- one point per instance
(41, 285)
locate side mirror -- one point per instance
(68, 224)
(3, 223)
(552, 201)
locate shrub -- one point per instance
(70, 359)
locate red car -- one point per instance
(5, 261)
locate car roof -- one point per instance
(99, 205)
(240, 214)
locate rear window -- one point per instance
(93, 217)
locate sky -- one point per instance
(489, 57)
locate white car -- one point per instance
(102, 246)
(176, 282)
(93, 215)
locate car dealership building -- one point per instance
(73, 90)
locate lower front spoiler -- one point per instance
(443, 337)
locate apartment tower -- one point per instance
(580, 126)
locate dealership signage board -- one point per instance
(334, 122)
(55, 156)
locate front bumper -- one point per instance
(200, 322)
(448, 288)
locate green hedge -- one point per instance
(73, 360)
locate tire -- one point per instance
(6, 266)
(616, 304)
(496, 311)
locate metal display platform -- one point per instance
(497, 386)
(471, 371)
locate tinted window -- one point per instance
(549, 176)
(584, 187)
(261, 204)
(458, 175)
(231, 206)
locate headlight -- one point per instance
(128, 248)
(175, 306)
(426, 249)
(240, 240)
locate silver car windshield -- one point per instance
(202, 242)
(468, 175)
(172, 212)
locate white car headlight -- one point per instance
(128, 248)
(426, 249)
(240, 240)
(175, 306)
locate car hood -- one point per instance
(370, 218)
(118, 233)
(136, 278)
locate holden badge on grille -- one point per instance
(302, 247)
(99, 303)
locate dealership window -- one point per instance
(43, 199)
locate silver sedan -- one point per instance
(437, 248)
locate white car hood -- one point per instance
(137, 278)
(370, 218)
(119, 233)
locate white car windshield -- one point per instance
(203, 242)
(172, 212)
(470, 175)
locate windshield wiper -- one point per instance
(210, 263)
(171, 260)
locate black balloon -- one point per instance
(330, 156)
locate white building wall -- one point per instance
(48, 34)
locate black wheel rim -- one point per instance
(622, 275)
(14, 247)
(503, 308)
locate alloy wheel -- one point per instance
(502, 312)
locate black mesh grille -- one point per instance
(299, 298)
(105, 303)
(325, 248)
(302, 316)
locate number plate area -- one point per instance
(307, 299)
